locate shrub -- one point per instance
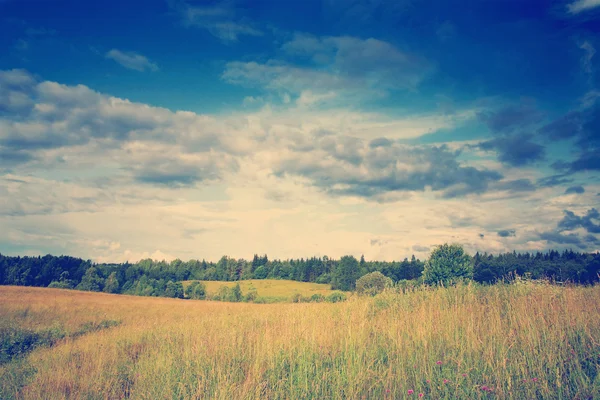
(61, 284)
(373, 283)
(336, 297)
(296, 298)
(112, 283)
(447, 265)
(174, 289)
(317, 298)
(196, 290)
(235, 294)
(91, 281)
(406, 285)
(251, 296)
(260, 272)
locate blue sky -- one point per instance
(194, 129)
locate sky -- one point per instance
(196, 129)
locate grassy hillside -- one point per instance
(272, 288)
(524, 341)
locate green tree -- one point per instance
(448, 264)
(91, 281)
(373, 283)
(112, 283)
(174, 289)
(260, 272)
(346, 274)
(236, 293)
(196, 290)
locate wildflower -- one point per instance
(428, 381)
(387, 390)
(410, 391)
(438, 362)
(421, 395)
(446, 381)
(484, 388)
(464, 375)
(534, 380)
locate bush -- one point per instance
(373, 283)
(336, 297)
(61, 284)
(235, 294)
(251, 296)
(408, 285)
(174, 289)
(260, 272)
(447, 265)
(317, 298)
(324, 278)
(196, 290)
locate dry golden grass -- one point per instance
(378, 347)
(272, 288)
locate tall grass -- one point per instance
(522, 341)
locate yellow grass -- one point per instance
(273, 288)
(364, 348)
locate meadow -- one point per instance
(272, 290)
(526, 340)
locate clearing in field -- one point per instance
(522, 341)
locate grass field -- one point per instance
(523, 341)
(275, 289)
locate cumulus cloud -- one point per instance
(511, 117)
(582, 127)
(572, 221)
(131, 60)
(350, 166)
(575, 190)
(569, 229)
(515, 150)
(154, 144)
(561, 238)
(87, 161)
(507, 233)
(15, 90)
(420, 249)
(349, 65)
(554, 180)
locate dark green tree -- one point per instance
(448, 264)
(346, 274)
(174, 289)
(196, 290)
(91, 281)
(112, 283)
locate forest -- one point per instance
(160, 278)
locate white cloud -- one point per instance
(352, 67)
(582, 5)
(100, 177)
(131, 60)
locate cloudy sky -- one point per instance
(195, 129)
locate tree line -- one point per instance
(160, 278)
